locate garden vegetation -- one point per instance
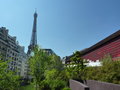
(48, 73)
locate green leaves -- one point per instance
(54, 79)
(108, 72)
(45, 70)
(77, 66)
(8, 79)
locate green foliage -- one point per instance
(108, 72)
(66, 88)
(38, 65)
(54, 79)
(55, 63)
(77, 67)
(28, 87)
(78, 62)
(8, 79)
(46, 70)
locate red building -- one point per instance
(109, 45)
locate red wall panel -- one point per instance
(112, 48)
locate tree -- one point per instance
(110, 70)
(77, 66)
(55, 63)
(8, 79)
(38, 65)
(54, 80)
(46, 70)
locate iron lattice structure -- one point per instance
(33, 41)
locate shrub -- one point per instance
(66, 88)
(108, 72)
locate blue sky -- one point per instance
(63, 25)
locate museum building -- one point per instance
(108, 46)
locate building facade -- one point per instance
(11, 50)
(49, 51)
(108, 46)
(22, 65)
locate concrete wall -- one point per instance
(93, 85)
(75, 85)
(97, 85)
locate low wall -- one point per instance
(75, 85)
(93, 85)
(97, 85)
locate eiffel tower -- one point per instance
(33, 41)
